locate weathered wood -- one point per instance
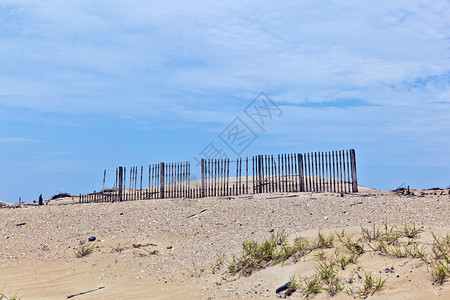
(197, 213)
(150, 182)
(182, 184)
(295, 172)
(277, 173)
(305, 172)
(321, 171)
(267, 173)
(210, 177)
(311, 171)
(270, 174)
(316, 174)
(240, 175)
(288, 173)
(228, 174)
(120, 183)
(299, 173)
(349, 180)
(189, 175)
(344, 171)
(353, 166)
(293, 177)
(327, 182)
(178, 181)
(224, 189)
(291, 172)
(246, 174)
(340, 171)
(332, 172)
(124, 180)
(117, 175)
(259, 183)
(154, 168)
(162, 177)
(82, 293)
(282, 172)
(253, 174)
(311, 188)
(218, 187)
(202, 166)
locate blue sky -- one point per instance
(89, 85)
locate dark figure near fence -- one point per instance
(41, 201)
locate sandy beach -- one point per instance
(164, 249)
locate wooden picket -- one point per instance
(331, 171)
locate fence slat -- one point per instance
(329, 171)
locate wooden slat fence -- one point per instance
(332, 171)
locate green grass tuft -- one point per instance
(84, 249)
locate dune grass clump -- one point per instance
(292, 287)
(332, 274)
(256, 255)
(84, 250)
(438, 271)
(438, 265)
(311, 286)
(371, 285)
(4, 297)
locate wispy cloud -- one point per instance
(337, 103)
(80, 74)
(15, 140)
(114, 57)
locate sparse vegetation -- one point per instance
(353, 247)
(61, 195)
(439, 266)
(84, 249)
(4, 297)
(196, 270)
(330, 275)
(438, 271)
(411, 231)
(343, 260)
(371, 286)
(311, 286)
(292, 287)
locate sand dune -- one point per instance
(157, 249)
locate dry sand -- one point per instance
(37, 259)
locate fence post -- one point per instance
(260, 174)
(300, 172)
(120, 183)
(203, 177)
(353, 166)
(161, 180)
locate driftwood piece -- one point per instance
(82, 293)
(197, 213)
(281, 197)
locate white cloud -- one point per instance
(189, 58)
(15, 140)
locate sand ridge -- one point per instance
(37, 258)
